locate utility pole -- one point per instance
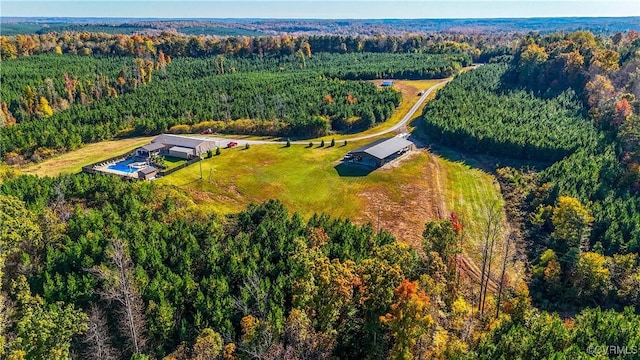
(200, 161)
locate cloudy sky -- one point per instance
(363, 9)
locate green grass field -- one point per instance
(307, 180)
(72, 162)
(311, 180)
(171, 162)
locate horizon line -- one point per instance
(310, 18)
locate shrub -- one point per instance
(217, 151)
(288, 143)
(310, 144)
(322, 143)
(209, 153)
(246, 146)
(13, 158)
(180, 129)
(333, 142)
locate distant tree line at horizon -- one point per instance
(176, 45)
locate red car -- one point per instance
(232, 144)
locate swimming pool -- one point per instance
(123, 168)
(126, 166)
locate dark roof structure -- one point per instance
(153, 146)
(148, 170)
(384, 148)
(181, 141)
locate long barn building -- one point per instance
(381, 151)
(177, 146)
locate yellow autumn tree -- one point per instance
(306, 48)
(7, 49)
(571, 221)
(208, 345)
(44, 109)
(533, 54)
(607, 60)
(409, 318)
(6, 118)
(600, 90)
(592, 275)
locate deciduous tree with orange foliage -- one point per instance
(409, 318)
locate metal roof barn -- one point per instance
(181, 141)
(152, 147)
(181, 152)
(382, 151)
(199, 146)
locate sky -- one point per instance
(351, 9)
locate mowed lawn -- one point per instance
(72, 162)
(303, 178)
(468, 192)
(405, 195)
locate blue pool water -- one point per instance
(123, 166)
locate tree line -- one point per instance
(478, 113)
(92, 99)
(177, 45)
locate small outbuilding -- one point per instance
(386, 83)
(147, 173)
(149, 149)
(380, 152)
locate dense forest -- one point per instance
(363, 27)
(594, 182)
(52, 103)
(95, 267)
(479, 113)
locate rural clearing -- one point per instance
(399, 197)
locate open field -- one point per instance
(468, 191)
(310, 180)
(405, 194)
(72, 162)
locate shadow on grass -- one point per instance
(350, 170)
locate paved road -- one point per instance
(401, 125)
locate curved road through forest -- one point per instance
(400, 125)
